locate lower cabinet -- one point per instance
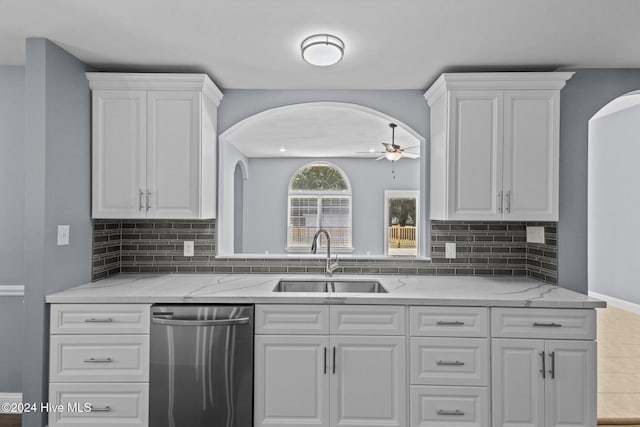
(99, 365)
(330, 381)
(324, 376)
(543, 383)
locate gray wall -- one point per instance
(12, 175)
(583, 96)
(614, 149)
(266, 191)
(11, 223)
(57, 190)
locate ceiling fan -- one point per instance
(393, 151)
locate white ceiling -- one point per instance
(390, 44)
(318, 129)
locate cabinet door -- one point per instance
(291, 381)
(173, 154)
(475, 156)
(368, 381)
(570, 388)
(518, 385)
(118, 143)
(531, 136)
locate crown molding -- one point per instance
(155, 81)
(483, 81)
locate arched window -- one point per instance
(319, 197)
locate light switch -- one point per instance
(535, 234)
(450, 250)
(63, 235)
(188, 248)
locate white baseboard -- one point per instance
(10, 398)
(11, 291)
(616, 302)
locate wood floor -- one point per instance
(618, 367)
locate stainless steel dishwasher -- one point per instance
(201, 371)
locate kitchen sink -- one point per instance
(358, 286)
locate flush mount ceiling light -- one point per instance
(322, 50)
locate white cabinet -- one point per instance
(495, 146)
(543, 382)
(368, 381)
(99, 364)
(154, 145)
(291, 380)
(449, 367)
(335, 368)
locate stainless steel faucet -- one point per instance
(329, 266)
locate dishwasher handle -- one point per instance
(195, 322)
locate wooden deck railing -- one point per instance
(402, 237)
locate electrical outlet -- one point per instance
(535, 234)
(188, 248)
(450, 250)
(63, 235)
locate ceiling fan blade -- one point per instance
(411, 155)
(380, 158)
(409, 148)
(388, 147)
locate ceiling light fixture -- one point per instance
(393, 155)
(322, 50)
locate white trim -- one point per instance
(156, 81)
(524, 80)
(11, 291)
(616, 302)
(400, 193)
(10, 398)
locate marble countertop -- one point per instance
(258, 288)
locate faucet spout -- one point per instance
(329, 266)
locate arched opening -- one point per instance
(277, 143)
(614, 201)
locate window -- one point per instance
(319, 197)
(401, 219)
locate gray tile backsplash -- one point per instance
(483, 248)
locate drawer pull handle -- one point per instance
(99, 320)
(94, 360)
(99, 409)
(446, 323)
(547, 324)
(449, 363)
(448, 412)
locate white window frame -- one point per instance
(400, 194)
(319, 195)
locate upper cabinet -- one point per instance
(154, 145)
(495, 145)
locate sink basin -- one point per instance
(359, 286)
(368, 286)
(302, 286)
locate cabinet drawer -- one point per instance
(450, 361)
(577, 324)
(448, 321)
(124, 405)
(99, 318)
(449, 406)
(367, 320)
(292, 319)
(99, 358)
